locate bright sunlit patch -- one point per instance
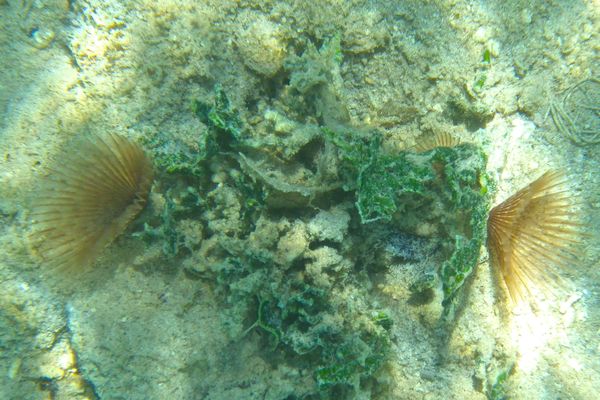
(531, 333)
(95, 44)
(575, 364)
(66, 360)
(534, 332)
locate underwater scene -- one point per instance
(299, 200)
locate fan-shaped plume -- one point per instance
(533, 234)
(440, 139)
(93, 191)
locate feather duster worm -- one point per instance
(91, 194)
(533, 234)
(440, 139)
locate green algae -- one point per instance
(224, 129)
(455, 177)
(220, 117)
(295, 311)
(321, 317)
(497, 389)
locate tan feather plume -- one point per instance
(439, 139)
(94, 189)
(534, 234)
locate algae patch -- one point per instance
(273, 249)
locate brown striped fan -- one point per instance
(533, 235)
(440, 139)
(94, 189)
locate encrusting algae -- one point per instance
(94, 190)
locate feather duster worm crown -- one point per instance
(533, 234)
(92, 193)
(440, 139)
